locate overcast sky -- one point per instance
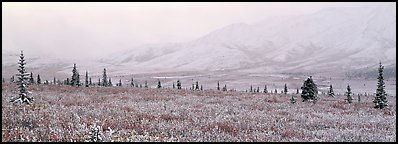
(91, 30)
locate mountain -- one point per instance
(332, 39)
(36, 64)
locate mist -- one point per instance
(82, 31)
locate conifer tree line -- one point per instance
(309, 90)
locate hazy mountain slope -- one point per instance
(335, 38)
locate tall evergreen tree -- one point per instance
(23, 81)
(99, 81)
(146, 84)
(12, 79)
(38, 79)
(31, 80)
(251, 88)
(193, 87)
(258, 89)
(55, 82)
(75, 76)
(285, 89)
(330, 92)
(174, 86)
(86, 82)
(197, 85)
(265, 89)
(120, 82)
(132, 82)
(90, 82)
(276, 91)
(218, 85)
(104, 79)
(178, 84)
(359, 98)
(67, 81)
(109, 82)
(309, 90)
(380, 100)
(201, 87)
(159, 84)
(349, 94)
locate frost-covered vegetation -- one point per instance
(65, 113)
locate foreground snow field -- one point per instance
(64, 113)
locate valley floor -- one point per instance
(64, 113)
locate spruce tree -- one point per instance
(146, 84)
(55, 82)
(285, 89)
(90, 82)
(67, 81)
(75, 77)
(178, 84)
(265, 89)
(38, 79)
(132, 82)
(99, 81)
(104, 79)
(309, 90)
(120, 82)
(197, 85)
(86, 81)
(218, 85)
(109, 82)
(159, 84)
(174, 86)
(276, 91)
(23, 81)
(224, 88)
(201, 87)
(297, 91)
(251, 88)
(193, 87)
(12, 79)
(31, 80)
(359, 98)
(258, 89)
(330, 92)
(380, 100)
(349, 94)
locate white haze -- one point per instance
(80, 31)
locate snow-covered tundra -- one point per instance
(64, 113)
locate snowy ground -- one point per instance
(63, 113)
